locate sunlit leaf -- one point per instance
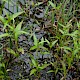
(78, 24)
(45, 52)
(52, 4)
(15, 15)
(12, 52)
(44, 66)
(35, 40)
(34, 62)
(33, 47)
(67, 48)
(2, 19)
(21, 50)
(50, 71)
(61, 25)
(18, 27)
(11, 27)
(32, 71)
(47, 41)
(61, 31)
(53, 43)
(76, 51)
(42, 41)
(4, 35)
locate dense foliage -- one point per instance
(40, 41)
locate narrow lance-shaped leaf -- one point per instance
(50, 71)
(34, 62)
(33, 71)
(52, 4)
(44, 66)
(18, 27)
(53, 43)
(15, 15)
(61, 31)
(35, 40)
(18, 33)
(12, 52)
(42, 41)
(4, 35)
(78, 24)
(47, 41)
(11, 27)
(2, 19)
(61, 25)
(22, 32)
(33, 47)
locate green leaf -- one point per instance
(18, 27)
(2, 19)
(61, 31)
(4, 35)
(33, 71)
(1, 76)
(52, 4)
(34, 62)
(19, 33)
(33, 47)
(47, 41)
(44, 66)
(2, 65)
(50, 71)
(7, 1)
(15, 15)
(21, 50)
(35, 40)
(12, 52)
(68, 48)
(76, 51)
(42, 41)
(53, 43)
(78, 24)
(45, 52)
(61, 25)
(11, 27)
(1, 73)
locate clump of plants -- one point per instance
(46, 34)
